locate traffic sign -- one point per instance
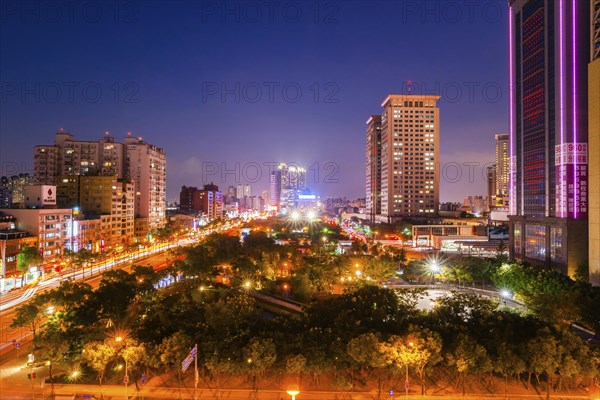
(188, 360)
(126, 379)
(144, 378)
(391, 392)
(406, 384)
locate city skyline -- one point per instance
(169, 103)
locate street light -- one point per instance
(505, 295)
(293, 391)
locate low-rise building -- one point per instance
(53, 228)
(11, 243)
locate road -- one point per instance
(113, 392)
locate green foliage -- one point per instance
(98, 355)
(29, 256)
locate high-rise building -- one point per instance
(594, 145)
(491, 184)
(373, 206)
(292, 176)
(17, 184)
(189, 199)
(502, 165)
(103, 197)
(135, 160)
(211, 201)
(549, 53)
(410, 156)
(147, 166)
(243, 190)
(275, 188)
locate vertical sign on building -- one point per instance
(571, 180)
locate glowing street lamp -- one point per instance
(505, 295)
(295, 215)
(293, 391)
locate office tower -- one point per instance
(549, 51)
(146, 165)
(275, 188)
(410, 162)
(594, 145)
(373, 199)
(502, 165)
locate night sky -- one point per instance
(170, 72)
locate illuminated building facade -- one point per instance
(549, 52)
(594, 145)
(410, 157)
(373, 198)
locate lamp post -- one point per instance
(505, 295)
(406, 382)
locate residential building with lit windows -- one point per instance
(133, 161)
(53, 228)
(410, 157)
(549, 44)
(146, 165)
(594, 145)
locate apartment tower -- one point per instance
(410, 157)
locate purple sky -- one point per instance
(228, 89)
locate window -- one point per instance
(535, 242)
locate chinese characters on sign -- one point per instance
(571, 179)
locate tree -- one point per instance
(28, 257)
(28, 314)
(427, 348)
(466, 357)
(260, 354)
(98, 355)
(400, 352)
(133, 353)
(295, 364)
(546, 355)
(366, 351)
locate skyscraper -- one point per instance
(549, 52)
(275, 188)
(502, 165)
(594, 145)
(410, 156)
(373, 198)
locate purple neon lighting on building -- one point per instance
(575, 180)
(512, 174)
(563, 200)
